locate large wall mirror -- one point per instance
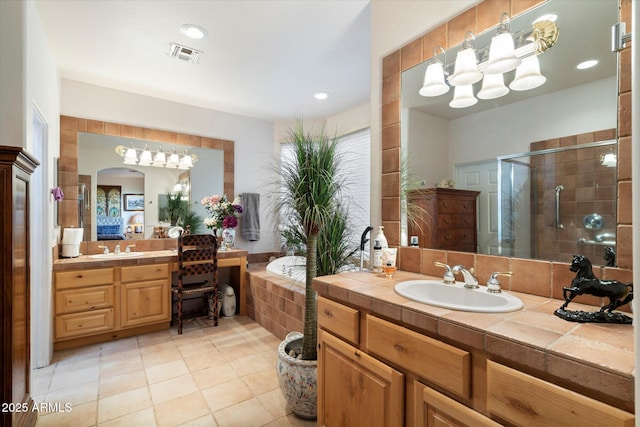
(546, 145)
(129, 199)
(140, 191)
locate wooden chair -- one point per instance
(197, 256)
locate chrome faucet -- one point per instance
(117, 249)
(448, 277)
(105, 249)
(470, 281)
(128, 248)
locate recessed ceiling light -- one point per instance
(587, 64)
(321, 95)
(193, 31)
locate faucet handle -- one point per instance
(105, 249)
(128, 248)
(493, 285)
(448, 278)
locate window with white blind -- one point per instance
(355, 152)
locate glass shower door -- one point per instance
(515, 225)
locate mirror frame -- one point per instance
(478, 19)
(68, 165)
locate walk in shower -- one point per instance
(558, 202)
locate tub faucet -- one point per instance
(449, 278)
(470, 281)
(363, 241)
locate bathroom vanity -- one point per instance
(97, 300)
(387, 361)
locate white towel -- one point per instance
(251, 216)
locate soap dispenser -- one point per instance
(381, 237)
(377, 257)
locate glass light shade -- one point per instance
(173, 161)
(145, 158)
(493, 87)
(434, 83)
(159, 160)
(466, 69)
(463, 97)
(186, 162)
(502, 57)
(528, 75)
(130, 156)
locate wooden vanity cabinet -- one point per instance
(144, 295)
(445, 218)
(100, 304)
(375, 372)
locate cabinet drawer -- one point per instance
(444, 365)
(457, 237)
(139, 273)
(88, 323)
(525, 400)
(73, 300)
(456, 221)
(456, 206)
(339, 319)
(435, 409)
(83, 278)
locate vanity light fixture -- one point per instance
(193, 31)
(146, 157)
(506, 52)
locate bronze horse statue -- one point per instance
(586, 282)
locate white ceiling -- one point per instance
(263, 59)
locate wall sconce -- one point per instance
(146, 157)
(504, 55)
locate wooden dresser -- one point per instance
(445, 218)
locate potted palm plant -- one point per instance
(309, 194)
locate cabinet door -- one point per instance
(434, 409)
(144, 303)
(355, 389)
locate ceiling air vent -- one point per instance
(184, 53)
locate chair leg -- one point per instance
(179, 313)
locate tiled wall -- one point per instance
(274, 303)
(478, 19)
(68, 164)
(589, 187)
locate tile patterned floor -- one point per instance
(221, 377)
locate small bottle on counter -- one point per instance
(377, 257)
(381, 238)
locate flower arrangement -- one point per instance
(224, 214)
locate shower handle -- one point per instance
(559, 225)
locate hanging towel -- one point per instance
(58, 195)
(251, 216)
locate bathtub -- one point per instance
(290, 267)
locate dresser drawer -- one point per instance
(525, 400)
(139, 273)
(83, 278)
(74, 300)
(87, 323)
(339, 319)
(456, 237)
(456, 221)
(437, 362)
(456, 206)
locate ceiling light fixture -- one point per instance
(321, 95)
(146, 157)
(506, 52)
(585, 65)
(193, 31)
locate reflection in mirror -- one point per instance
(572, 107)
(97, 160)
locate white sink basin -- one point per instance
(117, 256)
(457, 297)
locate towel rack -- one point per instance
(559, 225)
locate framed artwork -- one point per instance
(134, 202)
(108, 201)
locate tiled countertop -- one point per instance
(148, 257)
(598, 357)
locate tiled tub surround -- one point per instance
(274, 302)
(592, 359)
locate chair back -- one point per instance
(197, 254)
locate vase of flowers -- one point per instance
(223, 217)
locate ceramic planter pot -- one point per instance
(298, 378)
